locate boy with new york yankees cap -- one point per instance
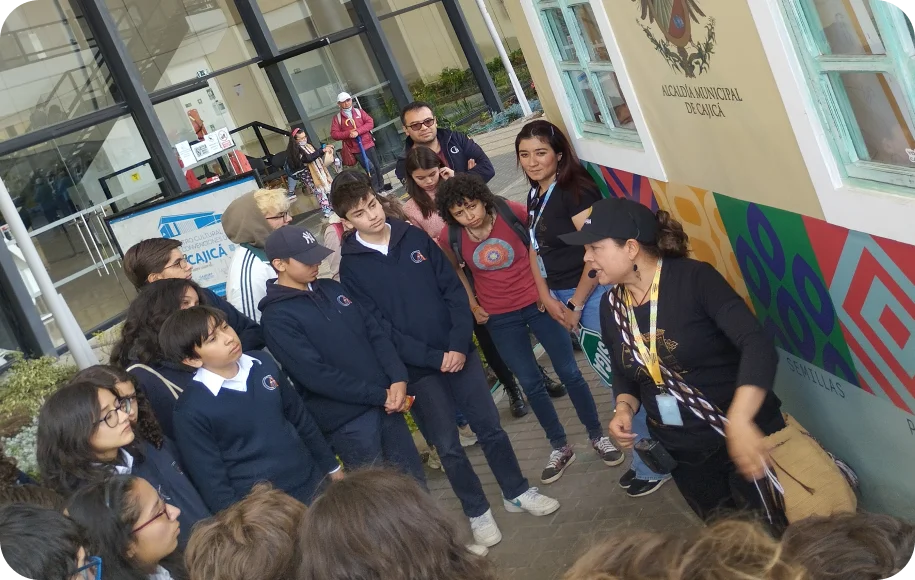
(340, 360)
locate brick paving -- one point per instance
(593, 505)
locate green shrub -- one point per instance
(453, 79)
(30, 381)
(22, 447)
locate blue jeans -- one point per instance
(590, 319)
(438, 396)
(375, 438)
(511, 333)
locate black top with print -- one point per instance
(710, 337)
(564, 263)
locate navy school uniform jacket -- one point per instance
(159, 394)
(459, 149)
(162, 469)
(339, 358)
(248, 331)
(233, 440)
(414, 292)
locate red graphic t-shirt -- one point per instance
(500, 265)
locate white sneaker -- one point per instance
(468, 437)
(485, 531)
(477, 549)
(532, 502)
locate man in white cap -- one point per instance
(354, 127)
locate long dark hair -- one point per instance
(109, 512)
(108, 376)
(145, 315)
(294, 152)
(572, 176)
(66, 423)
(419, 158)
(340, 532)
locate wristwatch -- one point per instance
(571, 306)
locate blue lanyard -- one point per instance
(536, 219)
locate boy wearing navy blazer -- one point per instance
(341, 362)
(240, 421)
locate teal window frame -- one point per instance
(823, 71)
(583, 65)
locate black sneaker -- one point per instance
(559, 460)
(553, 388)
(607, 450)
(627, 478)
(640, 487)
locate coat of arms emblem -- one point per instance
(678, 21)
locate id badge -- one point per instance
(670, 411)
(541, 266)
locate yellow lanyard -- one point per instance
(649, 355)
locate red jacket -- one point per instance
(340, 128)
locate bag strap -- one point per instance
(175, 389)
(505, 212)
(454, 242)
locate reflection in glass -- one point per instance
(557, 27)
(589, 109)
(883, 119)
(597, 49)
(49, 71)
(610, 87)
(849, 26)
(293, 22)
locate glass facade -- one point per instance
(96, 160)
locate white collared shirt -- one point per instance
(126, 467)
(239, 382)
(383, 248)
(160, 574)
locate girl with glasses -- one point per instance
(132, 527)
(85, 435)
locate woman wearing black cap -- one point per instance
(687, 347)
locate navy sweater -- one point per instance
(459, 149)
(414, 292)
(234, 440)
(162, 469)
(160, 396)
(338, 356)
(248, 331)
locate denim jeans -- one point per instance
(590, 319)
(438, 396)
(511, 333)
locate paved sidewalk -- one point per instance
(593, 505)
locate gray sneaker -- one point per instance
(607, 451)
(559, 460)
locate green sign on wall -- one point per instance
(597, 354)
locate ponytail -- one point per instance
(672, 240)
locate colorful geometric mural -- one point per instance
(841, 300)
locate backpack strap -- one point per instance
(505, 212)
(172, 387)
(454, 241)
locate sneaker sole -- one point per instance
(561, 471)
(468, 442)
(488, 543)
(624, 486)
(650, 491)
(616, 462)
(513, 509)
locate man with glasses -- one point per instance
(38, 542)
(354, 127)
(247, 222)
(456, 150)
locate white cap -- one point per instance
(343, 97)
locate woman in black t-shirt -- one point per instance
(683, 314)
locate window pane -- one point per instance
(175, 41)
(57, 187)
(597, 49)
(610, 87)
(50, 70)
(294, 22)
(881, 115)
(590, 111)
(848, 25)
(556, 26)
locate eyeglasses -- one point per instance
(420, 124)
(92, 570)
(131, 400)
(280, 216)
(180, 262)
(163, 512)
(124, 405)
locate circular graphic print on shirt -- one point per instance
(493, 254)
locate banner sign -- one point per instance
(596, 353)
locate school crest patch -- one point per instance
(270, 383)
(343, 300)
(417, 257)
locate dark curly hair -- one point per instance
(140, 336)
(106, 376)
(459, 189)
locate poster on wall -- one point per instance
(224, 138)
(196, 220)
(185, 154)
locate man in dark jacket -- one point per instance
(341, 362)
(456, 150)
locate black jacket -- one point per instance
(459, 149)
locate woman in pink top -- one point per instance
(425, 171)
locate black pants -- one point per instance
(493, 359)
(374, 170)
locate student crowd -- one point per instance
(194, 453)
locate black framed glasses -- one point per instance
(91, 570)
(280, 216)
(179, 263)
(420, 124)
(163, 512)
(129, 401)
(111, 417)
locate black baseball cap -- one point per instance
(297, 243)
(618, 218)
